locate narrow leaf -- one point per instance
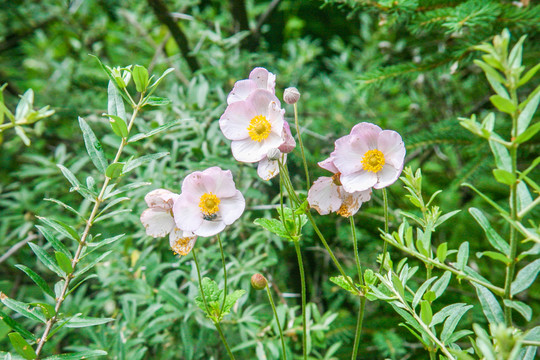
(491, 308)
(46, 259)
(115, 104)
(64, 262)
(77, 356)
(522, 308)
(37, 279)
(493, 237)
(132, 164)
(23, 309)
(526, 115)
(93, 146)
(16, 326)
(525, 277)
(56, 244)
(462, 256)
(22, 346)
(80, 321)
(452, 321)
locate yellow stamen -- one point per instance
(259, 128)
(183, 246)
(373, 161)
(209, 204)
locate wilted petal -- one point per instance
(241, 91)
(288, 140)
(160, 198)
(182, 241)
(324, 196)
(358, 181)
(387, 176)
(267, 169)
(157, 222)
(391, 145)
(351, 202)
(230, 208)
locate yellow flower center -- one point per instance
(259, 128)
(183, 246)
(373, 161)
(209, 204)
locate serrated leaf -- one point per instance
(274, 226)
(64, 262)
(493, 237)
(93, 146)
(23, 309)
(525, 277)
(82, 321)
(42, 284)
(77, 356)
(134, 163)
(491, 308)
(46, 259)
(22, 346)
(342, 283)
(230, 300)
(522, 308)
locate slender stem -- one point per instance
(303, 283)
(271, 299)
(355, 247)
(301, 146)
(385, 199)
(358, 333)
(212, 317)
(224, 274)
(82, 242)
(330, 252)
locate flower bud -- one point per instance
(291, 95)
(258, 282)
(273, 154)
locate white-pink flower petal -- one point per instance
(324, 196)
(157, 222)
(241, 90)
(358, 181)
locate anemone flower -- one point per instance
(369, 157)
(254, 125)
(209, 201)
(259, 78)
(327, 195)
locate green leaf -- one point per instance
(56, 244)
(525, 277)
(37, 279)
(504, 177)
(46, 259)
(115, 104)
(426, 314)
(522, 308)
(140, 76)
(495, 256)
(528, 75)
(114, 170)
(421, 290)
(93, 146)
(445, 312)
(23, 309)
(493, 237)
(155, 131)
(462, 256)
(77, 186)
(118, 125)
(15, 326)
(77, 356)
(491, 308)
(452, 321)
(487, 199)
(110, 76)
(441, 284)
(93, 263)
(398, 285)
(64, 262)
(82, 321)
(502, 156)
(441, 252)
(134, 163)
(61, 228)
(344, 284)
(22, 346)
(528, 133)
(503, 104)
(46, 309)
(231, 300)
(157, 101)
(20, 133)
(274, 226)
(526, 115)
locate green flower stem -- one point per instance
(301, 147)
(330, 252)
(362, 298)
(212, 317)
(385, 199)
(224, 273)
(84, 236)
(271, 299)
(303, 283)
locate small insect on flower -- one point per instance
(369, 157)
(209, 201)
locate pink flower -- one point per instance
(327, 195)
(254, 125)
(369, 157)
(209, 201)
(259, 78)
(159, 221)
(269, 166)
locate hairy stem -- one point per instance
(271, 299)
(82, 242)
(303, 283)
(301, 146)
(360, 318)
(224, 273)
(385, 199)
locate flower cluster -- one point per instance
(254, 122)
(209, 201)
(367, 158)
